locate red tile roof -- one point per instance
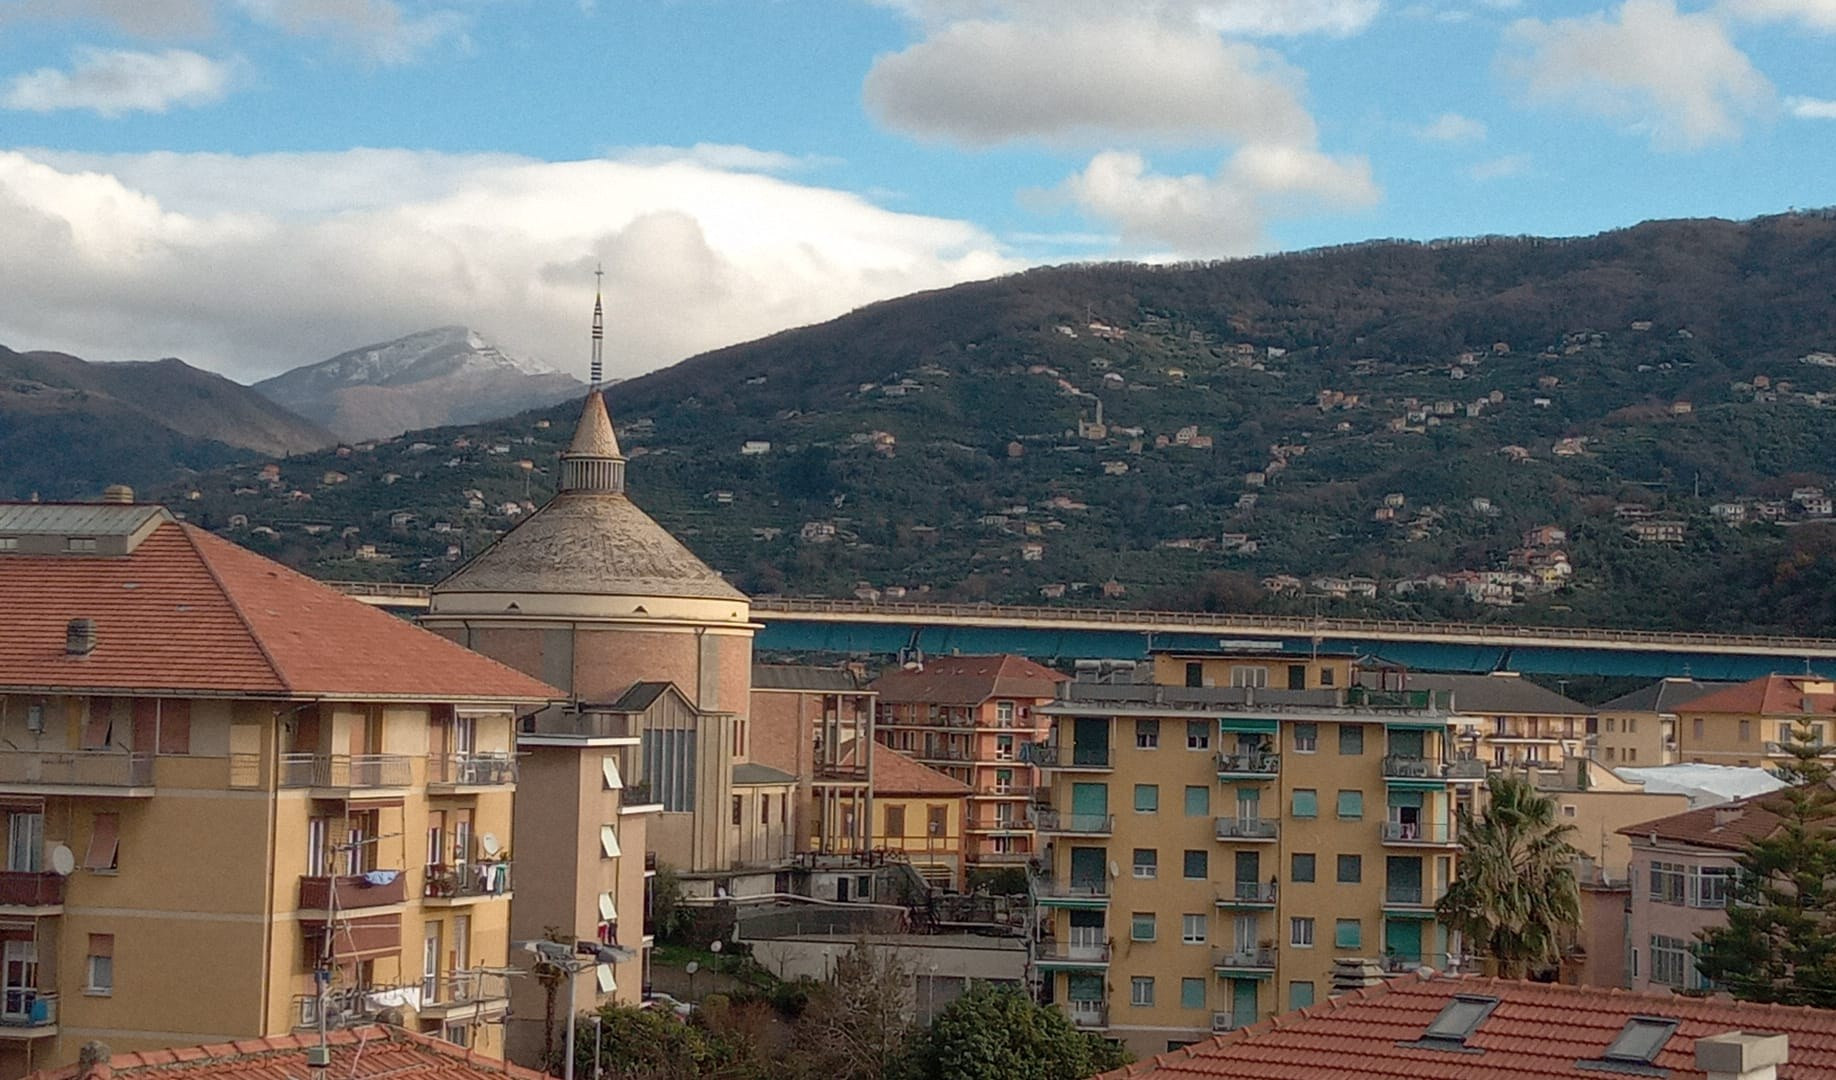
(367, 1053)
(1536, 1031)
(1729, 826)
(967, 680)
(896, 774)
(1768, 695)
(189, 612)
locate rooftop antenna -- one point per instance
(598, 369)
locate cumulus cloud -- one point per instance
(1500, 168)
(1672, 75)
(141, 18)
(1451, 127)
(1247, 17)
(1809, 108)
(1197, 215)
(1816, 14)
(1070, 81)
(116, 81)
(209, 258)
(381, 29)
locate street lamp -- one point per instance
(574, 959)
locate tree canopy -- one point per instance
(1514, 897)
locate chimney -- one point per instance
(117, 493)
(92, 1062)
(1737, 1055)
(80, 637)
(1727, 815)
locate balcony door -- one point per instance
(1407, 744)
(20, 979)
(1089, 868)
(1088, 935)
(1406, 812)
(25, 842)
(1249, 805)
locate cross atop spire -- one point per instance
(598, 369)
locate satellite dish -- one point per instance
(489, 843)
(62, 860)
(1114, 870)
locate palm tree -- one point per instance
(1514, 898)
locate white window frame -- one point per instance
(1187, 934)
(1141, 991)
(1300, 932)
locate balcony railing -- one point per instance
(1250, 764)
(1396, 963)
(1016, 823)
(1079, 824)
(75, 768)
(839, 771)
(1419, 832)
(466, 880)
(1238, 828)
(636, 793)
(28, 888)
(350, 892)
(1076, 889)
(1052, 952)
(471, 770)
(1088, 1014)
(1056, 756)
(346, 770)
(26, 1007)
(1246, 892)
(1254, 959)
(1408, 896)
(943, 753)
(1408, 767)
(461, 988)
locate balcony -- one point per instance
(1073, 824)
(78, 772)
(1247, 895)
(1077, 893)
(1784, 749)
(837, 772)
(1247, 830)
(1017, 823)
(1400, 963)
(1055, 756)
(943, 753)
(31, 889)
(352, 892)
(1409, 900)
(466, 883)
(1419, 834)
(1088, 1015)
(1000, 858)
(470, 770)
(1057, 957)
(1250, 766)
(1402, 767)
(28, 1014)
(1244, 961)
(464, 996)
(345, 772)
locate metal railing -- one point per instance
(482, 770)
(463, 880)
(1396, 963)
(982, 823)
(1262, 956)
(1083, 824)
(1087, 1014)
(943, 753)
(1054, 952)
(325, 892)
(27, 1007)
(1407, 767)
(346, 770)
(1055, 756)
(1236, 828)
(1251, 764)
(1419, 832)
(31, 888)
(1070, 890)
(76, 768)
(1408, 896)
(463, 988)
(1247, 892)
(636, 793)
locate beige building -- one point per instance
(1753, 723)
(922, 814)
(219, 778)
(816, 724)
(1509, 722)
(1640, 728)
(1210, 850)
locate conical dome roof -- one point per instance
(593, 436)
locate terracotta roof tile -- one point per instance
(896, 774)
(369, 1053)
(1729, 826)
(1769, 695)
(1536, 1031)
(967, 680)
(189, 612)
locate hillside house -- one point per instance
(1545, 536)
(1681, 408)
(333, 477)
(817, 532)
(1515, 453)
(1734, 513)
(1482, 504)
(1255, 479)
(1394, 500)
(1115, 468)
(1200, 442)
(1656, 532)
(754, 447)
(1384, 513)
(1114, 590)
(1054, 591)
(1247, 500)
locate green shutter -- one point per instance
(1306, 803)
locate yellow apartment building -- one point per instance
(1751, 723)
(920, 813)
(1640, 728)
(1509, 722)
(1210, 849)
(238, 803)
(968, 716)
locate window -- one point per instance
(739, 810)
(1297, 676)
(1568, 810)
(103, 855)
(1197, 865)
(1195, 674)
(1351, 805)
(608, 842)
(1327, 677)
(9, 543)
(1746, 735)
(1004, 713)
(1351, 739)
(764, 809)
(1141, 990)
(1640, 1040)
(1306, 803)
(99, 965)
(174, 720)
(1198, 801)
(1147, 798)
(1631, 753)
(1147, 863)
(1631, 725)
(1141, 926)
(1306, 738)
(936, 820)
(1609, 753)
(895, 821)
(1351, 869)
(1348, 934)
(1300, 994)
(1301, 866)
(1667, 883)
(1609, 725)
(1257, 677)
(1004, 748)
(1695, 728)
(1192, 993)
(1458, 1020)
(1300, 933)
(1667, 955)
(80, 543)
(1147, 734)
(1192, 929)
(1198, 735)
(1710, 886)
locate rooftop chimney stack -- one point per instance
(118, 493)
(1737, 1055)
(80, 637)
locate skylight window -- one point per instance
(1640, 1040)
(1456, 1023)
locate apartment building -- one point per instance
(922, 814)
(1640, 728)
(1509, 722)
(1752, 723)
(1683, 871)
(221, 778)
(1210, 850)
(968, 716)
(816, 724)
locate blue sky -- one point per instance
(252, 184)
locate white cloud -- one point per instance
(116, 81)
(208, 257)
(725, 156)
(1451, 127)
(1810, 108)
(1070, 81)
(1816, 14)
(142, 18)
(1246, 17)
(381, 29)
(1674, 76)
(1196, 215)
(1500, 168)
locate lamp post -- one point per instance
(581, 956)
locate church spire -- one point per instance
(592, 462)
(598, 369)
